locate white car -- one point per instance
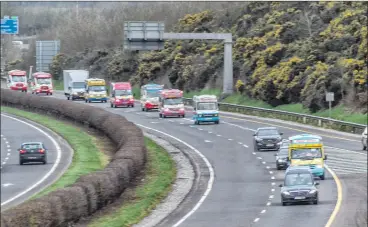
(364, 139)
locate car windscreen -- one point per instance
(31, 146)
(175, 101)
(283, 151)
(293, 179)
(78, 85)
(153, 94)
(268, 132)
(206, 106)
(306, 153)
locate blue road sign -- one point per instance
(10, 25)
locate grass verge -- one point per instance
(58, 85)
(159, 175)
(87, 157)
(338, 112)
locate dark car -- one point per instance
(268, 138)
(281, 158)
(299, 186)
(32, 152)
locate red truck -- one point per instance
(121, 94)
(171, 103)
(41, 83)
(17, 80)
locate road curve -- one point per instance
(245, 191)
(18, 183)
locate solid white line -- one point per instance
(57, 161)
(210, 169)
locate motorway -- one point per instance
(20, 182)
(245, 190)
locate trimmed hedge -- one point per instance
(92, 191)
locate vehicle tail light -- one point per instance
(41, 150)
(22, 151)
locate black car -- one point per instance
(281, 158)
(268, 138)
(32, 152)
(299, 186)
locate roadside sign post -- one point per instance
(330, 97)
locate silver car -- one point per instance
(364, 139)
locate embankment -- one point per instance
(92, 191)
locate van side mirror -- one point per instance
(316, 183)
(325, 157)
(281, 133)
(280, 185)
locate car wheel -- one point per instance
(142, 109)
(51, 93)
(315, 202)
(278, 168)
(364, 148)
(89, 101)
(160, 115)
(217, 122)
(164, 116)
(183, 115)
(322, 177)
(86, 100)
(44, 161)
(21, 162)
(283, 204)
(68, 98)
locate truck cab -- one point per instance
(17, 80)
(121, 95)
(205, 109)
(95, 90)
(150, 94)
(74, 83)
(307, 150)
(171, 103)
(41, 82)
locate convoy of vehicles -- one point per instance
(32, 152)
(95, 90)
(205, 109)
(41, 82)
(267, 138)
(171, 103)
(299, 186)
(17, 80)
(364, 139)
(150, 94)
(74, 87)
(307, 150)
(121, 94)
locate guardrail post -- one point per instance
(319, 122)
(304, 120)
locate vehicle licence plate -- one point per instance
(208, 118)
(299, 197)
(31, 157)
(269, 145)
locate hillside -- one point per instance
(283, 52)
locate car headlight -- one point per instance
(216, 115)
(258, 139)
(312, 191)
(286, 193)
(199, 115)
(281, 160)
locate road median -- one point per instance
(90, 192)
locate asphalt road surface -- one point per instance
(245, 190)
(19, 182)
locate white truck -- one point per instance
(74, 83)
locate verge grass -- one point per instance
(87, 157)
(159, 175)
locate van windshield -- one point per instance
(97, 88)
(306, 153)
(175, 101)
(207, 106)
(78, 85)
(19, 78)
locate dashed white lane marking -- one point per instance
(230, 139)
(256, 220)
(4, 163)
(240, 143)
(6, 142)
(271, 172)
(192, 126)
(267, 167)
(263, 211)
(254, 153)
(7, 184)
(171, 120)
(6, 158)
(268, 204)
(8, 145)
(263, 163)
(271, 197)
(9, 150)
(8, 154)
(272, 189)
(2, 135)
(218, 135)
(273, 183)
(181, 123)
(200, 129)
(245, 145)
(273, 178)
(154, 122)
(260, 158)
(209, 132)
(208, 141)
